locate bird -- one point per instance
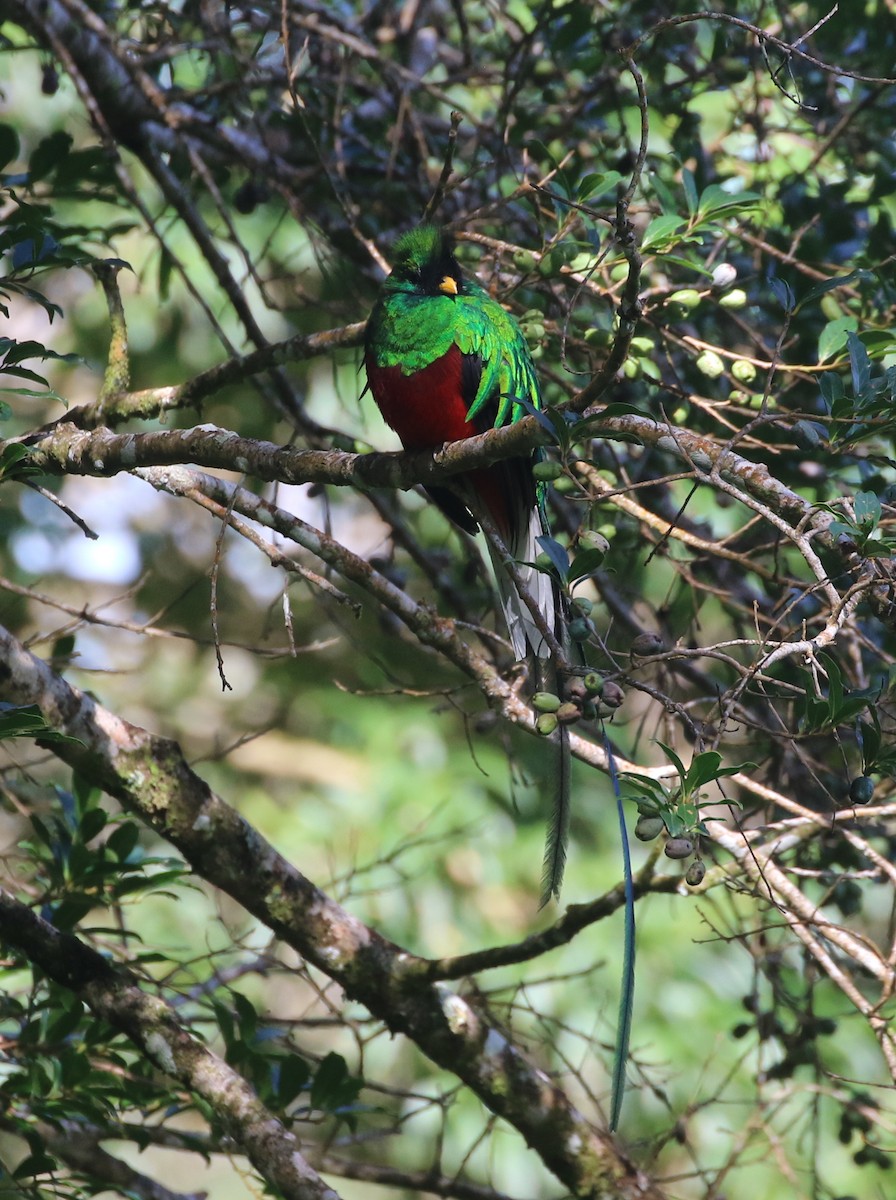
(444, 362)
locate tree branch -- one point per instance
(114, 995)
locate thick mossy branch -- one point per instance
(68, 450)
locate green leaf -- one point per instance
(642, 788)
(828, 285)
(783, 293)
(23, 373)
(661, 231)
(92, 823)
(9, 145)
(860, 365)
(832, 339)
(668, 200)
(556, 553)
(35, 1164)
(704, 769)
(29, 293)
(585, 563)
(333, 1087)
(548, 422)
(690, 190)
(66, 1022)
(292, 1078)
(676, 762)
(123, 840)
(12, 456)
(715, 199)
(597, 184)
(28, 721)
(48, 154)
(835, 683)
(878, 342)
(867, 509)
(831, 388)
(224, 1018)
(247, 1017)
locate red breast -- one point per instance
(428, 408)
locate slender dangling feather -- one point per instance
(627, 988)
(558, 825)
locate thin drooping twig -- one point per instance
(439, 193)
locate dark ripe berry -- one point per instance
(612, 695)
(695, 874)
(649, 827)
(568, 713)
(576, 690)
(768, 1026)
(248, 196)
(847, 895)
(861, 790)
(645, 644)
(49, 79)
(679, 847)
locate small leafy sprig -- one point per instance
(862, 526)
(677, 809)
(864, 406)
(28, 721)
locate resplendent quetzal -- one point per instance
(444, 362)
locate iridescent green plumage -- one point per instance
(446, 361)
(414, 324)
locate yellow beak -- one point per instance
(448, 286)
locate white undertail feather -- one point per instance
(521, 625)
(526, 638)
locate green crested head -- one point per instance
(424, 263)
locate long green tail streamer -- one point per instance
(627, 993)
